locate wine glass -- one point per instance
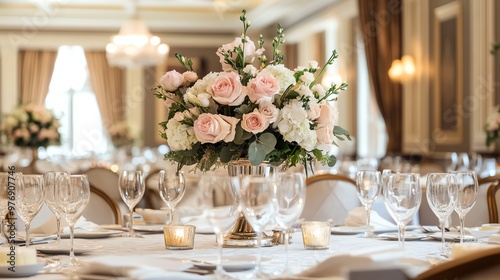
(290, 194)
(403, 196)
(220, 208)
(50, 179)
(467, 189)
(4, 198)
(132, 188)
(257, 204)
(441, 196)
(172, 187)
(29, 195)
(72, 194)
(368, 189)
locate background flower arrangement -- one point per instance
(120, 134)
(32, 125)
(269, 113)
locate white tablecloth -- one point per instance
(152, 246)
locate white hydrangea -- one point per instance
(197, 94)
(293, 124)
(304, 90)
(179, 136)
(283, 75)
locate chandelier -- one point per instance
(134, 46)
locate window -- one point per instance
(73, 101)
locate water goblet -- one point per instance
(441, 196)
(403, 196)
(290, 194)
(257, 204)
(220, 209)
(5, 183)
(29, 195)
(368, 188)
(171, 186)
(50, 179)
(72, 194)
(467, 189)
(132, 188)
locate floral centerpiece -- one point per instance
(493, 127)
(120, 134)
(32, 125)
(261, 113)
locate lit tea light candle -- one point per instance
(316, 235)
(179, 237)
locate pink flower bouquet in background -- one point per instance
(493, 127)
(120, 134)
(31, 125)
(261, 113)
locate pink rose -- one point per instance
(314, 111)
(268, 110)
(210, 128)
(249, 50)
(172, 80)
(324, 133)
(328, 114)
(189, 77)
(227, 89)
(254, 122)
(264, 86)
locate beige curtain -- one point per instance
(36, 68)
(107, 83)
(382, 32)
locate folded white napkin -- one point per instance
(357, 217)
(135, 267)
(336, 266)
(494, 239)
(83, 224)
(153, 216)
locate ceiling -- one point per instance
(169, 16)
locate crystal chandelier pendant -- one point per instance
(134, 46)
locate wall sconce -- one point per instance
(402, 70)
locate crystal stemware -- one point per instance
(29, 195)
(172, 186)
(72, 196)
(403, 196)
(467, 189)
(441, 196)
(368, 188)
(132, 188)
(257, 204)
(220, 209)
(50, 179)
(290, 195)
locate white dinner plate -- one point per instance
(22, 270)
(63, 249)
(345, 230)
(230, 264)
(452, 237)
(409, 236)
(149, 228)
(101, 233)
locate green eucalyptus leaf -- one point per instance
(256, 153)
(226, 154)
(340, 131)
(268, 141)
(332, 161)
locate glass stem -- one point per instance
(401, 235)
(287, 236)
(58, 222)
(220, 240)
(72, 237)
(441, 225)
(259, 246)
(28, 234)
(131, 223)
(171, 218)
(368, 208)
(462, 224)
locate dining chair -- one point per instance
(492, 196)
(106, 180)
(102, 209)
(329, 196)
(483, 264)
(152, 195)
